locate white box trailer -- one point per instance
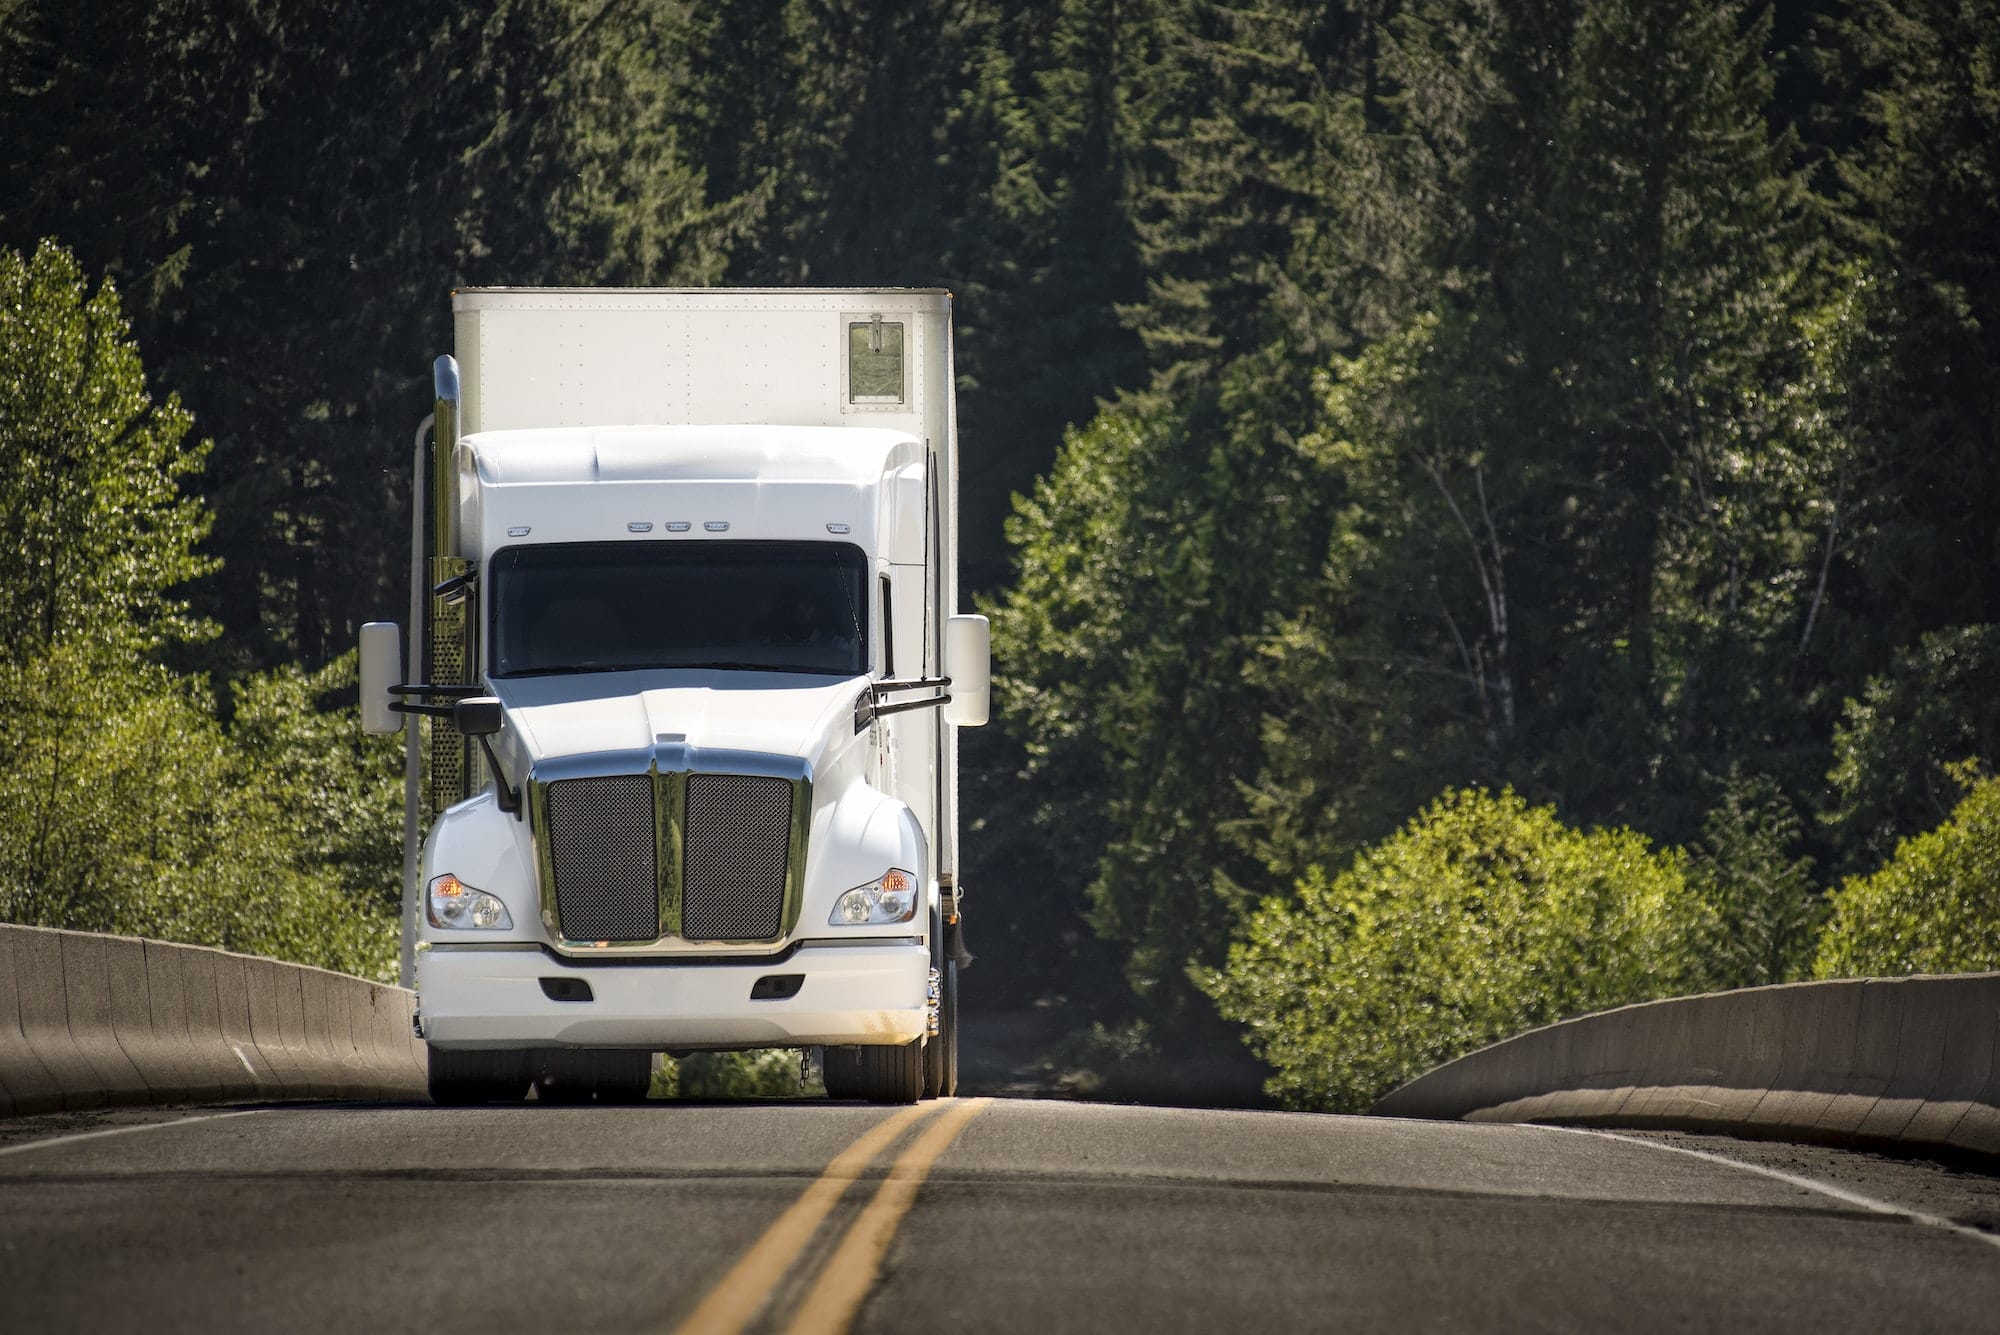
(684, 648)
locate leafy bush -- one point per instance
(129, 808)
(760, 1073)
(110, 776)
(1480, 918)
(1933, 908)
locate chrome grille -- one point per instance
(601, 854)
(735, 861)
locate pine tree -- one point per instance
(291, 192)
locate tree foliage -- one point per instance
(129, 806)
(1932, 908)
(1765, 910)
(131, 809)
(289, 192)
(1587, 352)
(1592, 398)
(91, 511)
(1897, 741)
(1482, 917)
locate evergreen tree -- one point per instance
(1920, 193)
(1151, 562)
(290, 192)
(1902, 737)
(1763, 909)
(1240, 165)
(1575, 525)
(1052, 114)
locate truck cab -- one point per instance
(684, 654)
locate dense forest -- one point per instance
(1423, 458)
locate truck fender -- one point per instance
(865, 833)
(488, 850)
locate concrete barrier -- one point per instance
(88, 1021)
(1862, 1061)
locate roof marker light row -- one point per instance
(671, 526)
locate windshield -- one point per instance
(606, 607)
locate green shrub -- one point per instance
(1933, 908)
(1480, 918)
(129, 809)
(760, 1073)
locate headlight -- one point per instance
(891, 898)
(452, 903)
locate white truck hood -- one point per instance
(774, 713)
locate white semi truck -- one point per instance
(682, 638)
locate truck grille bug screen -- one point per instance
(739, 830)
(601, 837)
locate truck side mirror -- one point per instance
(479, 716)
(381, 668)
(968, 661)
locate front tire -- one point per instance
(877, 1074)
(458, 1079)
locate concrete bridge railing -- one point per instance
(88, 1021)
(1872, 1061)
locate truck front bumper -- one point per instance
(865, 994)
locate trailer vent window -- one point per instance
(875, 363)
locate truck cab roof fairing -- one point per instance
(760, 482)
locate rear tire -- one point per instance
(948, 1031)
(941, 1050)
(841, 1070)
(458, 1079)
(612, 1075)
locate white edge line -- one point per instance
(53, 1141)
(1842, 1194)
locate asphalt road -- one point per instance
(962, 1216)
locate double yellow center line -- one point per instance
(844, 1281)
